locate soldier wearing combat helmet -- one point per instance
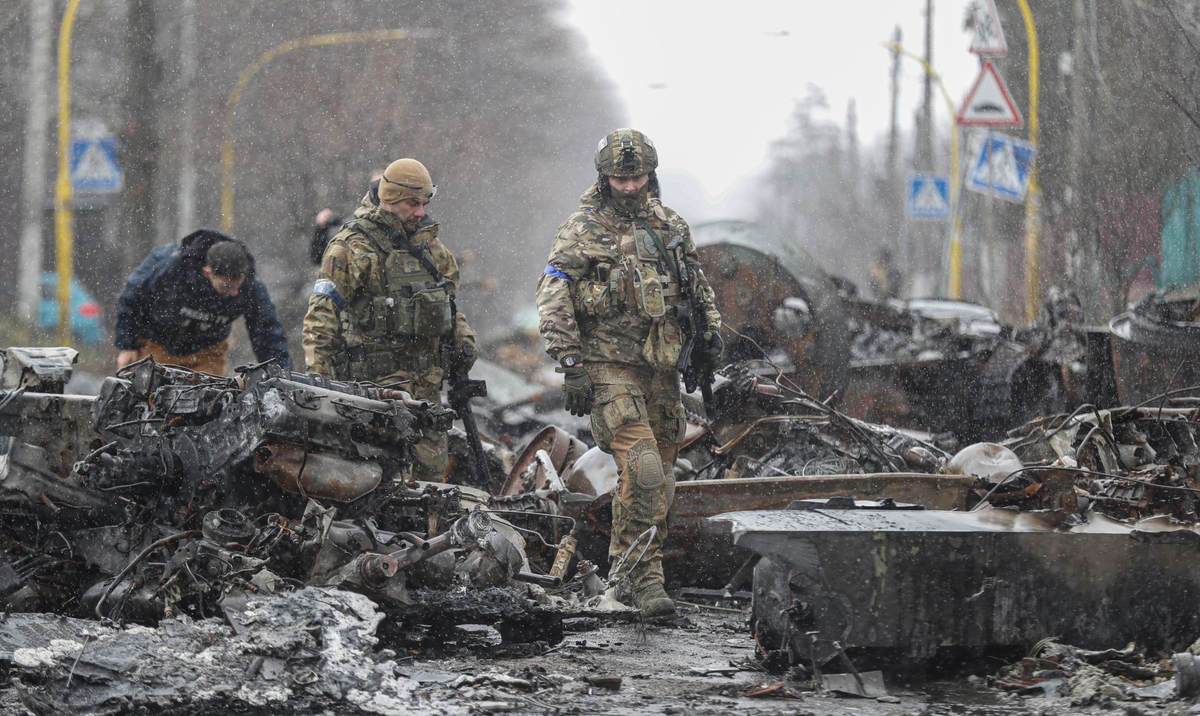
(605, 302)
(378, 313)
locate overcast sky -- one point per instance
(714, 88)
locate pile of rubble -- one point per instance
(1085, 677)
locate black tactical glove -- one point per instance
(714, 346)
(467, 356)
(577, 386)
(457, 357)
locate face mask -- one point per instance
(631, 203)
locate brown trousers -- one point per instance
(206, 360)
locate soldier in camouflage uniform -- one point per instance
(378, 314)
(606, 304)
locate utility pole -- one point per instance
(926, 255)
(926, 138)
(185, 214)
(1076, 281)
(33, 199)
(853, 175)
(892, 192)
(989, 235)
(140, 140)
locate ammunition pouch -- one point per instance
(648, 290)
(631, 286)
(595, 299)
(663, 345)
(425, 313)
(365, 364)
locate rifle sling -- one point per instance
(419, 252)
(662, 250)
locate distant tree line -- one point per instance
(1119, 125)
(498, 99)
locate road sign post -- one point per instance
(955, 277)
(1033, 197)
(64, 217)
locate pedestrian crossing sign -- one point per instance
(929, 197)
(1001, 166)
(94, 165)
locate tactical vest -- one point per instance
(643, 282)
(396, 322)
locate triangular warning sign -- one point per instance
(929, 199)
(989, 36)
(989, 104)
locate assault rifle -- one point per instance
(461, 388)
(692, 314)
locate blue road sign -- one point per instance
(929, 197)
(1001, 167)
(94, 165)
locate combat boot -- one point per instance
(653, 600)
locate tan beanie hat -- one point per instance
(405, 179)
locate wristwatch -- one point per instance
(571, 360)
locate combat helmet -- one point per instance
(626, 153)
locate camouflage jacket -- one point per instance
(596, 296)
(350, 284)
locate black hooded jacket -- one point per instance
(168, 300)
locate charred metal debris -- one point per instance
(175, 493)
(189, 501)
(947, 367)
(851, 584)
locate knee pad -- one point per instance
(645, 465)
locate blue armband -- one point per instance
(552, 271)
(325, 287)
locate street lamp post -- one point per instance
(64, 218)
(1033, 195)
(333, 38)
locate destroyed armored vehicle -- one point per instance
(938, 366)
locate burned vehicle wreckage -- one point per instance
(943, 366)
(176, 492)
(272, 507)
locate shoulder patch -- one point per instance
(325, 287)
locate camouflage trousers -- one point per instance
(638, 418)
(432, 450)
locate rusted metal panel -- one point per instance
(1147, 363)
(697, 552)
(906, 585)
(754, 272)
(697, 499)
